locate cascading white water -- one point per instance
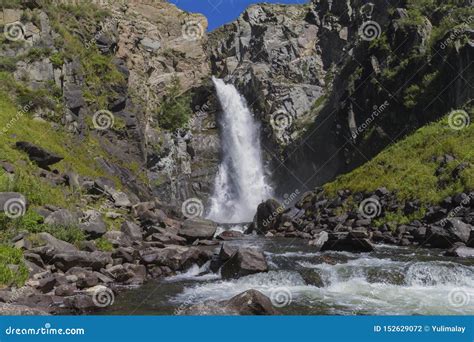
(240, 184)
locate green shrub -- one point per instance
(175, 110)
(12, 267)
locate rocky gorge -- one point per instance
(113, 133)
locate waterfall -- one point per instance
(240, 184)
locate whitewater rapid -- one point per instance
(240, 184)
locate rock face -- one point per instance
(300, 68)
(244, 262)
(251, 302)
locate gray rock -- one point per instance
(132, 230)
(250, 302)
(20, 310)
(38, 154)
(93, 225)
(94, 260)
(62, 217)
(244, 262)
(319, 240)
(174, 257)
(198, 228)
(347, 242)
(461, 252)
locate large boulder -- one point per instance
(250, 302)
(319, 240)
(198, 228)
(62, 217)
(266, 214)
(461, 251)
(347, 242)
(93, 260)
(43, 158)
(93, 225)
(445, 233)
(174, 257)
(47, 246)
(244, 262)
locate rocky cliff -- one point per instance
(336, 82)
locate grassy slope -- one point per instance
(408, 167)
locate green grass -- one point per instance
(408, 167)
(9, 276)
(32, 223)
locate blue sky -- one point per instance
(219, 12)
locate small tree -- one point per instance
(174, 111)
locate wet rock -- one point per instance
(461, 251)
(39, 155)
(311, 277)
(244, 262)
(230, 235)
(251, 302)
(445, 233)
(319, 240)
(267, 211)
(348, 243)
(193, 229)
